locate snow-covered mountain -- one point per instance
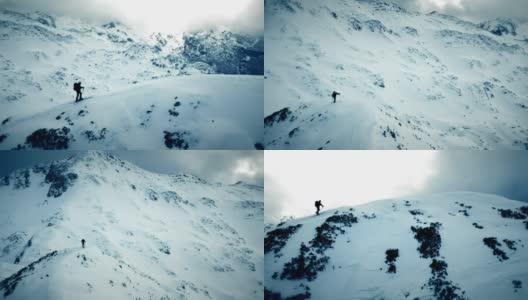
(126, 74)
(407, 80)
(458, 245)
(148, 236)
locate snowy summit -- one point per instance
(459, 245)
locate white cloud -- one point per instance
(341, 178)
(295, 179)
(474, 10)
(157, 15)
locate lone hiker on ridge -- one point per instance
(78, 89)
(318, 205)
(82, 242)
(334, 95)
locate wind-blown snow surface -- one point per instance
(149, 236)
(214, 74)
(407, 80)
(429, 247)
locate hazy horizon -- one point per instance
(293, 181)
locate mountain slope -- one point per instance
(447, 246)
(43, 55)
(190, 112)
(407, 80)
(148, 235)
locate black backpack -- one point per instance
(76, 86)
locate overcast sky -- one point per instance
(473, 10)
(157, 15)
(215, 166)
(295, 179)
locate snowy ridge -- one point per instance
(127, 73)
(407, 80)
(458, 245)
(148, 235)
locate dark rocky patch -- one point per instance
(510, 244)
(492, 243)
(173, 113)
(293, 132)
(177, 139)
(430, 240)
(304, 266)
(443, 289)
(369, 217)
(526, 224)
(416, 212)
(82, 113)
(390, 259)
(511, 214)
(524, 209)
(9, 284)
(259, 146)
(464, 206)
(152, 195)
(13, 241)
(92, 136)
(177, 103)
(276, 239)
(312, 260)
(21, 254)
(430, 243)
(59, 179)
(164, 248)
(389, 132)
(208, 202)
(517, 285)
(379, 82)
(354, 24)
(464, 212)
(478, 226)
(6, 120)
(2, 137)
(278, 116)
(173, 197)
(407, 203)
(270, 295)
(225, 52)
(21, 179)
(49, 139)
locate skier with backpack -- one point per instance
(318, 205)
(334, 95)
(82, 242)
(78, 89)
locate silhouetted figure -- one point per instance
(334, 95)
(318, 205)
(82, 242)
(78, 89)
